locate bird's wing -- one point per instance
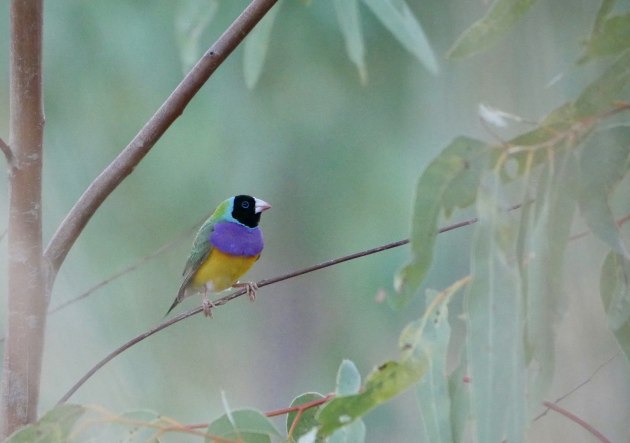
(200, 250)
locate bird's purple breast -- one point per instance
(234, 239)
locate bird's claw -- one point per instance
(207, 306)
(250, 289)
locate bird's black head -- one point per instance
(247, 210)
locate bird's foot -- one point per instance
(207, 306)
(250, 288)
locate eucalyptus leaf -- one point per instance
(350, 24)
(499, 19)
(456, 169)
(246, 425)
(432, 390)
(615, 292)
(307, 419)
(610, 35)
(54, 427)
(542, 264)
(494, 310)
(400, 21)
(191, 19)
(348, 379)
(257, 45)
(606, 91)
(604, 162)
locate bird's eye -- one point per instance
(244, 205)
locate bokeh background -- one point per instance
(338, 161)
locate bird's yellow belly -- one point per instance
(220, 271)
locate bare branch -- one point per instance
(574, 418)
(6, 150)
(134, 152)
(223, 300)
(26, 317)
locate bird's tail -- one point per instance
(180, 296)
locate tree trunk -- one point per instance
(27, 301)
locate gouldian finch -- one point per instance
(228, 243)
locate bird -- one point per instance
(226, 246)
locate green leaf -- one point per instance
(54, 427)
(501, 17)
(602, 94)
(400, 21)
(191, 19)
(615, 292)
(450, 172)
(432, 390)
(393, 377)
(350, 24)
(542, 265)
(387, 381)
(605, 160)
(307, 419)
(352, 433)
(459, 392)
(256, 46)
(348, 379)
(495, 319)
(245, 425)
(610, 35)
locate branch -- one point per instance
(26, 317)
(223, 300)
(598, 435)
(6, 150)
(134, 152)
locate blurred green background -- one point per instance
(337, 160)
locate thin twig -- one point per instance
(132, 267)
(577, 387)
(598, 435)
(6, 150)
(223, 300)
(82, 211)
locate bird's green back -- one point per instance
(201, 244)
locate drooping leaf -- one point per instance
(455, 169)
(348, 379)
(245, 425)
(432, 390)
(191, 19)
(499, 19)
(389, 380)
(393, 377)
(615, 292)
(542, 266)
(400, 21)
(256, 46)
(352, 433)
(495, 318)
(603, 94)
(459, 393)
(350, 24)
(307, 418)
(610, 35)
(54, 427)
(604, 161)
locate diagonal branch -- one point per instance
(240, 292)
(134, 152)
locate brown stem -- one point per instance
(134, 152)
(26, 288)
(598, 435)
